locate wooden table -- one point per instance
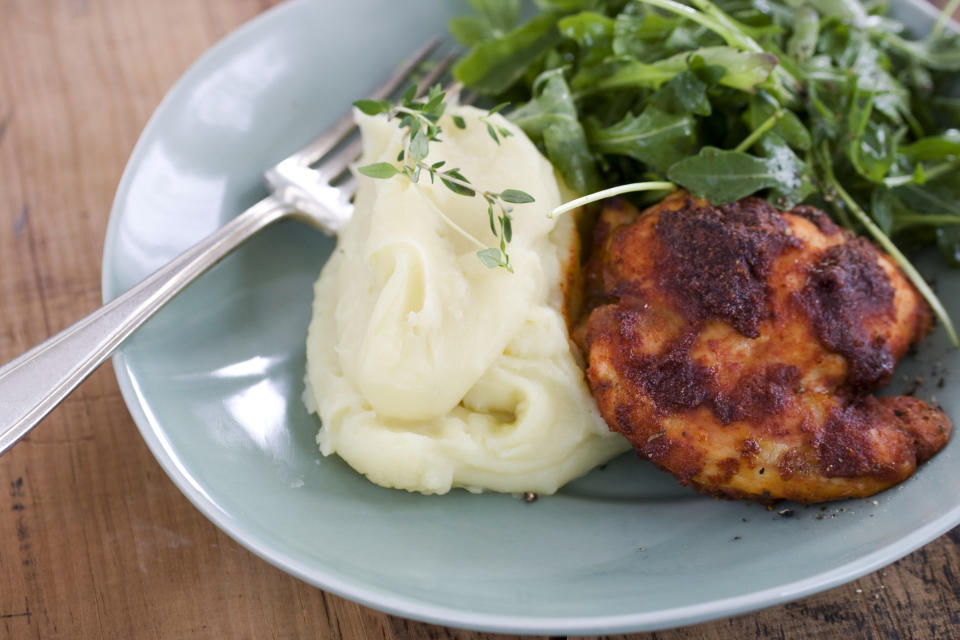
(95, 541)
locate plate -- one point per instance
(214, 384)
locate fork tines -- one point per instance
(316, 180)
(335, 164)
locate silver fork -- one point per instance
(34, 383)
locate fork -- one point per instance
(313, 185)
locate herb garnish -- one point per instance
(421, 119)
(822, 102)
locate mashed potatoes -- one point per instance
(428, 369)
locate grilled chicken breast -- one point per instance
(737, 347)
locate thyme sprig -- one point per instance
(494, 131)
(421, 119)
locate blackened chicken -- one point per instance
(738, 346)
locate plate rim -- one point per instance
(417, 608)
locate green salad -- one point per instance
(823, 102)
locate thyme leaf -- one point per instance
(421, 120)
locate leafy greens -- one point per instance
(823, 102)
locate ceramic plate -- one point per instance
(214, 384)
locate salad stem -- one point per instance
(609, 193)
(941, 169)
(711, 17)
(757, 133)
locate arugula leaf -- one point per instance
(492, 66)
(726, 176)
(940, 54)
(762, 106)
(850, 11)
(551, 118)
(939, 147)
(948, 242)
(592, 31)
(654, 137)
(686, 92)
(501, 14)
(569, 6)
(795, 179)
(566, 142)
(872, 148)
(871, 67)
(470, 30)
(493, 19)
(652, 36)
(803, 43)
(929, 199)
(743, 70)
(881, 209)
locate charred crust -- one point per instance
(845, 289)
(681, 459)
(624, 419)
(672, 380)
(728, 467)
(749, 448)
(846, 450)
(758, 394)
(790, 462)
(926, 425)
(715, 260)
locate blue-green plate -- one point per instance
(214, 384)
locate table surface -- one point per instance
(95, 540)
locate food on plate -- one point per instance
(829, 103)
(738, 346)
(429, 369)
(735, 334)
(833, 105)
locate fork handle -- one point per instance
(34, 383)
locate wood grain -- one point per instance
(95, 541)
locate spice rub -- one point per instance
(737, 347)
